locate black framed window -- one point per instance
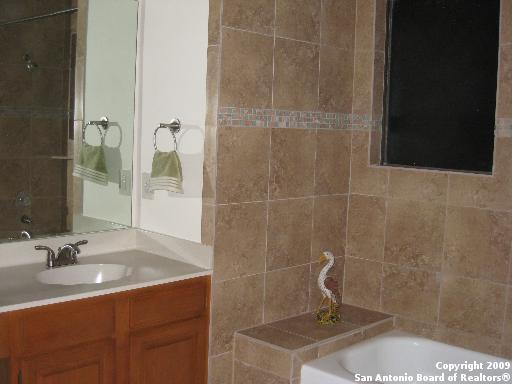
(441, 79)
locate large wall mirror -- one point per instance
(65, 65)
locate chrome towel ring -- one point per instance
(103, 123)
(174, 127)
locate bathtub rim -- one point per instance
(330, 363)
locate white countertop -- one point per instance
(19, 288)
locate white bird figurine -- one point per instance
(329, 287)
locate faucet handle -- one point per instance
(76, 245)
(50, 255)
(81, 242)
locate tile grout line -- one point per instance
(283, 199)
(443, 251)
(499, 73)
(508, 289)
(311, 257)
(259, 369)
(383, 258)
(276, 346)
(442, 204)
(311, 243)
(409, 268)
(220, 354)
(372, 93)
(313, 216)
(233, 359)
(308, 303)
(292, 333)
(339, 129)
(347, 220)
(362, 329)
(273, 54)
(498, 85)
(274, 34)
(269, 167)
(267, 219)
(308, 306)
(319, 58)
(247, 31)
(272, 271)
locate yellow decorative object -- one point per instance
(329, 287)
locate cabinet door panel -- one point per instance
(66, 324)
(162, 305)
(4, 371)
(87, 364)
(4, 337)
(170, 355)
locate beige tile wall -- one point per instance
(274, 198)
(432, 247)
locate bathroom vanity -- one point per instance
(142, 335)
(134, 309)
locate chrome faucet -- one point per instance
(66, 255)
(50, 255)
(22, 235)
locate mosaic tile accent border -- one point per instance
(276, 118)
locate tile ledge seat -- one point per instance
(281, 347)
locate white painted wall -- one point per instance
(109, 91)
(173, 42)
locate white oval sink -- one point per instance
(84, 274)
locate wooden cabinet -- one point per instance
(171, 355)
(65, 325)
(155, 335)
(4, 371)
(91, 363)
(157, 306)
(4, 336)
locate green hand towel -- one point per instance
(91, 164)
(166, 173)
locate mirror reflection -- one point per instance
(65, 69)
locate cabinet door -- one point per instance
(86, 364)
(174, 354)
(4, 371)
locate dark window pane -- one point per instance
(442, 75)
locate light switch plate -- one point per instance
(146, 194)
(125, 182)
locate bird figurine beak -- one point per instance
(322, 258)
